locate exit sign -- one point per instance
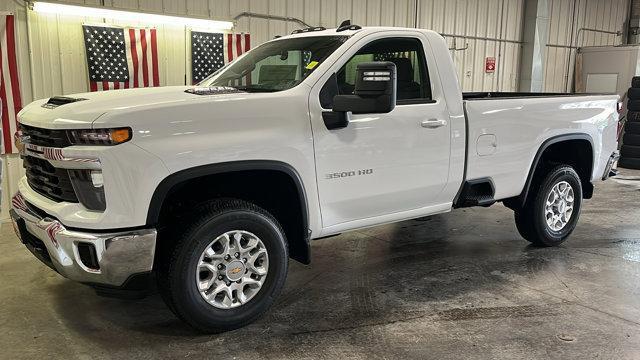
(490, 65)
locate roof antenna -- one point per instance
(346, 25)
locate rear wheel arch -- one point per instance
(563, 149)
(281, 176)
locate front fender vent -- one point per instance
(56, 101)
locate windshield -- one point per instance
(276, 65)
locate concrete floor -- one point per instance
(460, 285)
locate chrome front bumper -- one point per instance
(116, 256)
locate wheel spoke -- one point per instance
(248, 280)
(242, 297)
(205, 285)
(237, 237)
(252, 243)
(211, 254)
(205, 266)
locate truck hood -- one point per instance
(88, 107)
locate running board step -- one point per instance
(477, 192)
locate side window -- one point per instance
(408, 55)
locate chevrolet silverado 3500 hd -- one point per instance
(210, 189)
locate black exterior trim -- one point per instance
(519, 95)
(466, 197)
(554, 140)
(137, 286)
(466, 155)
(165, 186)
(415, 101)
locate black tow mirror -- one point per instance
(375, 93)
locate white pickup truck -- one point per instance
(211, 189)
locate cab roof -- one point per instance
(349, 32)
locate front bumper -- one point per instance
(89, 257)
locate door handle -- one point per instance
(433, 123)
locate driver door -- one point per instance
(382, 167)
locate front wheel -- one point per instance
(550, 215)
(227, 267)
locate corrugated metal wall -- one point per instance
(566, 19)
(499, 21)
(492, 29)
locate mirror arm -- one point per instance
(336, 119)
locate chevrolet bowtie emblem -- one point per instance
(235, 270)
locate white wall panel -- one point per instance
(567, 17)
(497, 21)
(59, 65)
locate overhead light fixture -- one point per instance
(87, 11)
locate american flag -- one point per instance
(211, 51)
(121, 58)
(9, 86)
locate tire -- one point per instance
(178, 279)
(631, 139)
(632, 127)
(635, 82)
(633, 93)
(629, 163)
(633, 116)
(630, 151)
(531, 219)
(633, 105)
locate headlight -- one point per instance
(99, 136)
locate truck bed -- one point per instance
(505, 134)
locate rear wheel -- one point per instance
(550, 216)
(227, 267)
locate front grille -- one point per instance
(45, 137)
(48, 181)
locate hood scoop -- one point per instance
(212, 90)
(56, 101)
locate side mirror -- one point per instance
(375, 93)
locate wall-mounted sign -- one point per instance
(490, 65)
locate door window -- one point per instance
(408, 56)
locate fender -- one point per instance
(520, 200)
(165, 186)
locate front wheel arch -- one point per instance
(276, 175)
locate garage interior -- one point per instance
(450, 286)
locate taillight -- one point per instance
(620, 123)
